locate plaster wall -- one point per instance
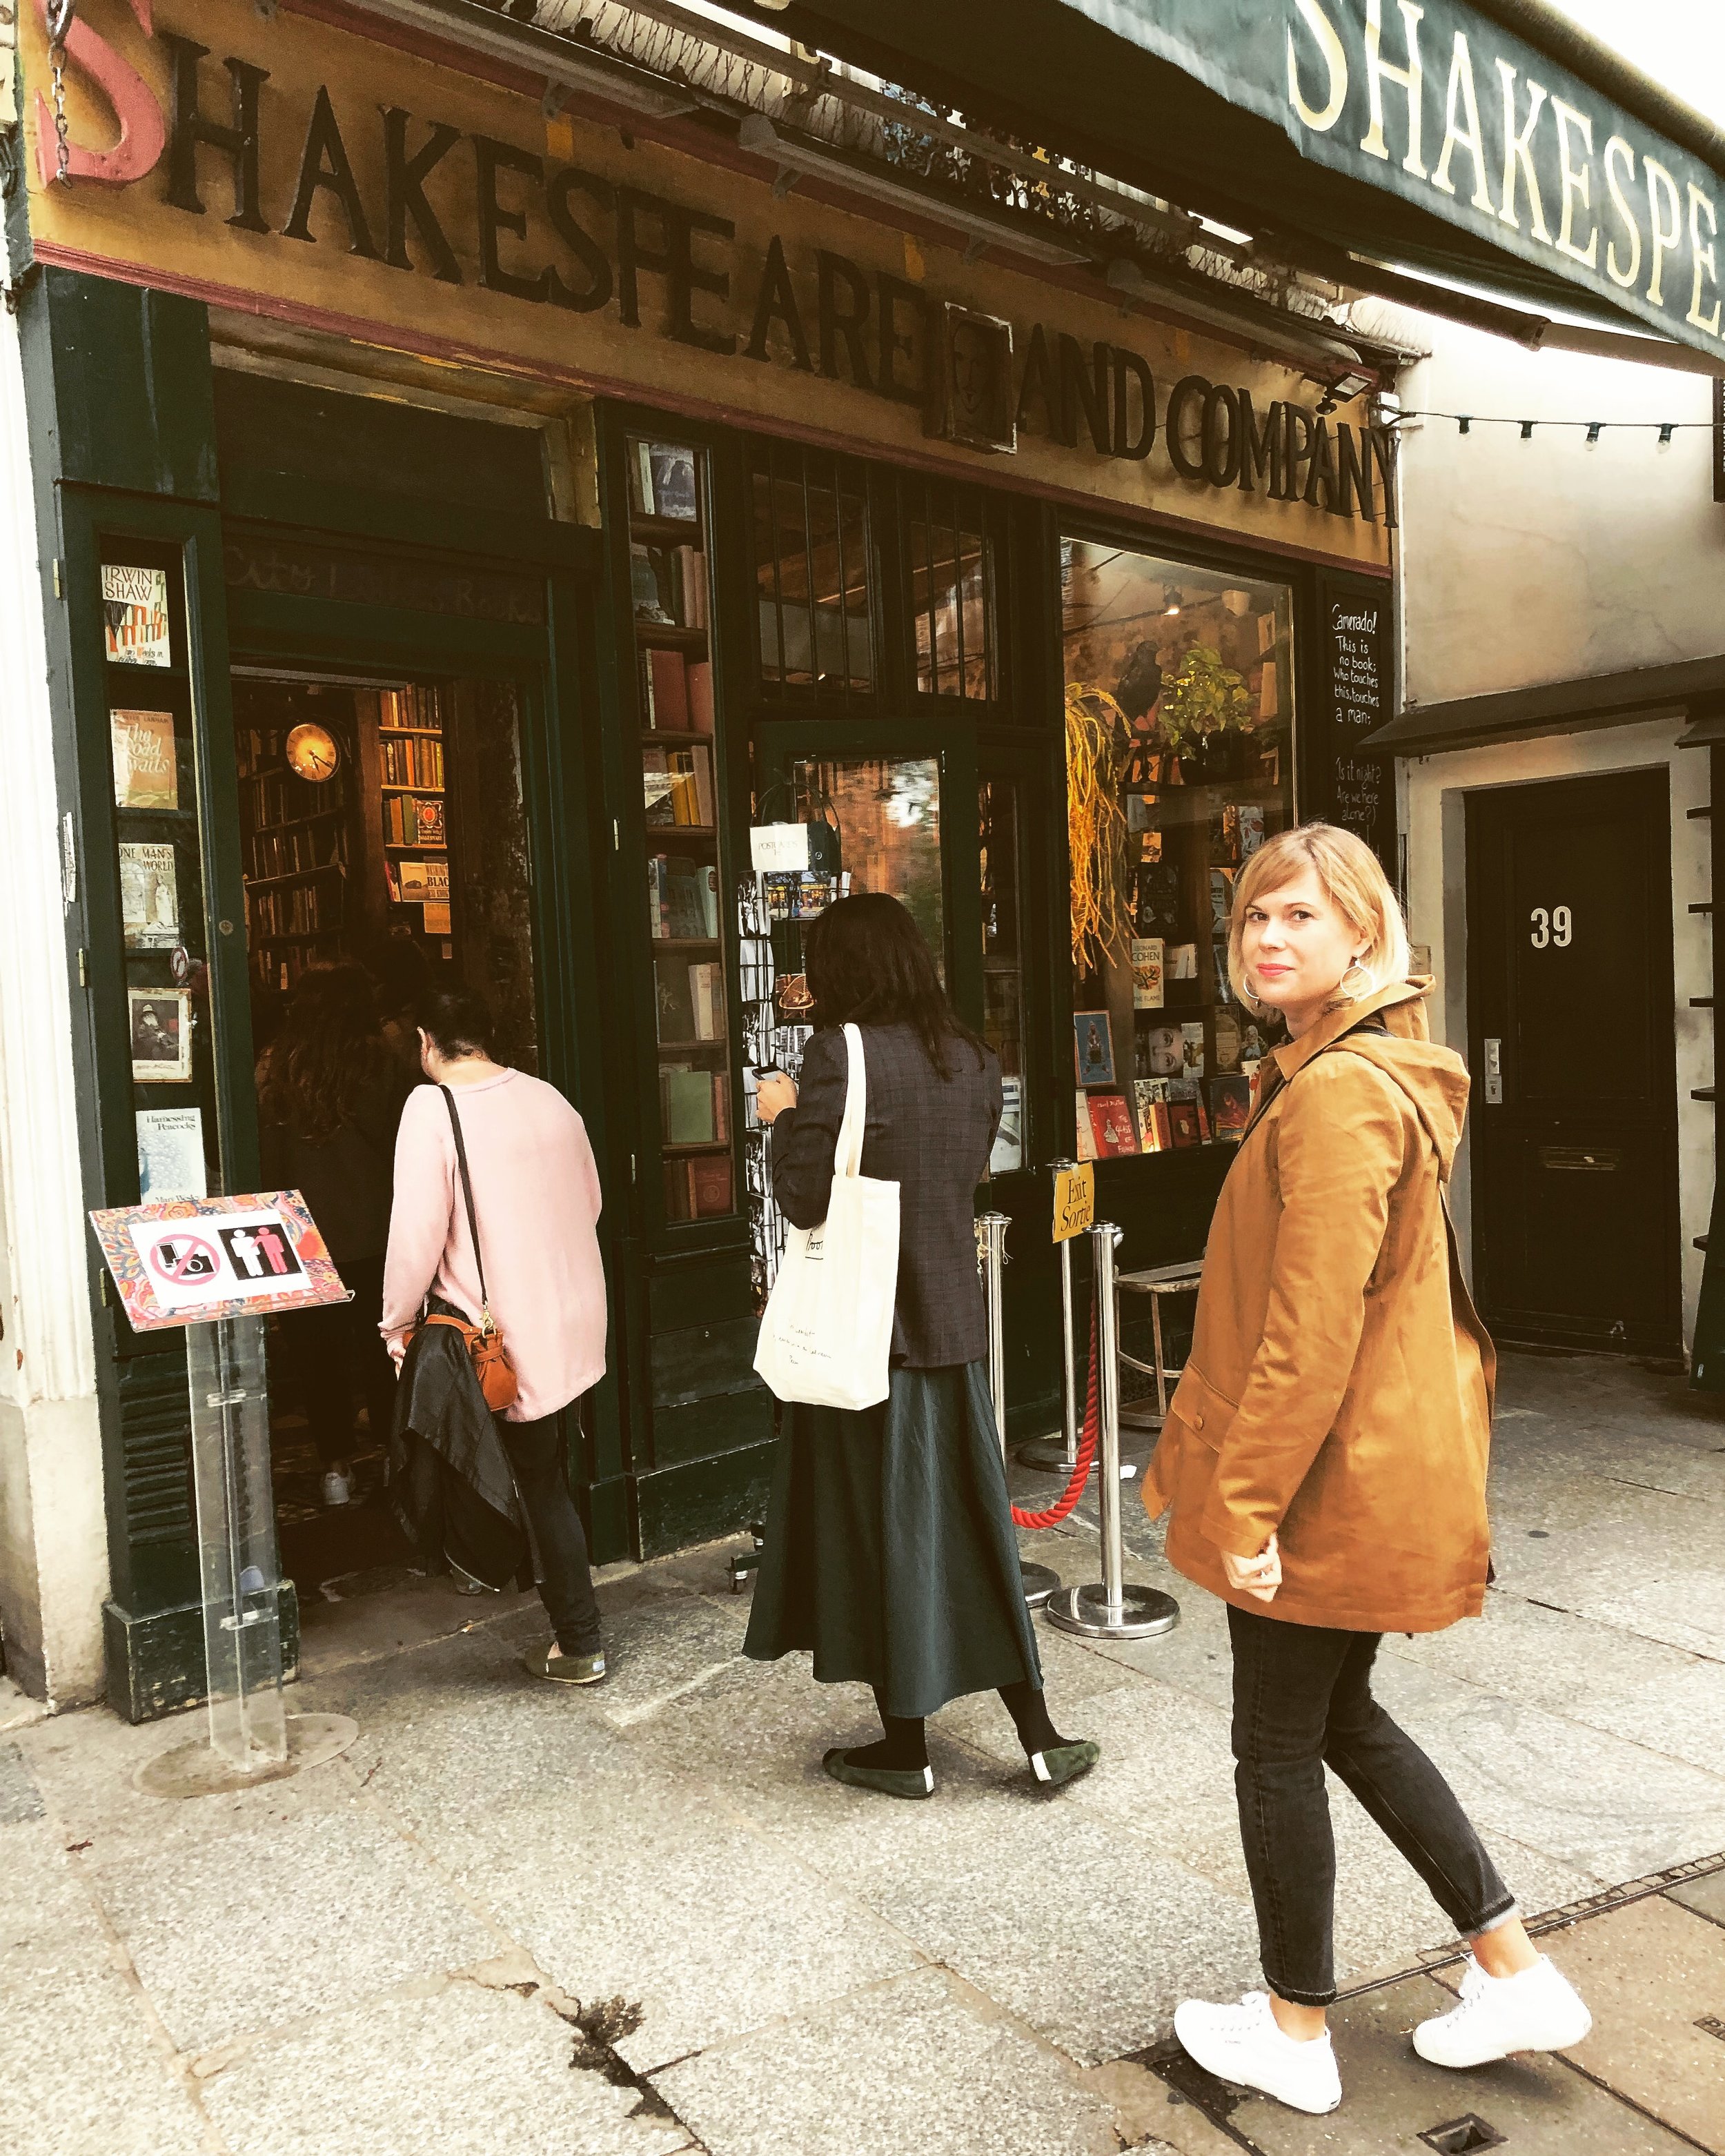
(53, 1565)
(1549, 560)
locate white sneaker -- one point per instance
(337, 1487)
(1243, 2044)
(1538, 2011)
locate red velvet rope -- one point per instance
(1074, 1490)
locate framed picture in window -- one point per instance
(160, 1024)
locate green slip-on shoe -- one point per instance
(1064, 1763)
(889, 1781)
(566, 1669)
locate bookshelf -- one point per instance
(670, 605)
(293, 850)
(411, 814)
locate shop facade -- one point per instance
(463, 504)
(1559, 761)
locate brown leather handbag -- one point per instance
(484, 1342)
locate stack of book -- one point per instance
(682, 899)
(677, 784)
(677, 691)
(696, 1104)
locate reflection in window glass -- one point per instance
(1003, 963)
(1179, 764)
(811, 553)
(952, 595)
(889, 818)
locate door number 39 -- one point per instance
(1551, 925)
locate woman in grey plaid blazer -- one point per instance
(890, 1552)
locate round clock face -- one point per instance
(311, 751)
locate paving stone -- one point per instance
(1390, 2096)
(80, 2074)
(20, 1799)
(629, 1883)
(470, 2072)
(919, 2065)
(1706, 1896)
(1650, 1972)
(1592, 1800)
(271, 1922)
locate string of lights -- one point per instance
(1466, 422)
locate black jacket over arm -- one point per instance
(934, 1139)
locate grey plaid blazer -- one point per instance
(933, 1140)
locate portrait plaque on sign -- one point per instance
(971, 399)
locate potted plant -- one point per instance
(1205, 712)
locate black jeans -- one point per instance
(536, 1453)
(1302, 1701)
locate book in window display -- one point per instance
(1111, 1123)
(135, 622)
(146, 770)
(1230, 1105)
(149, 896)
(1093, 1046)
(159, 1023)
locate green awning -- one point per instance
(1486, 142)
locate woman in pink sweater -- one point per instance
(535, 1193)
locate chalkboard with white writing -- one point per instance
(1356, 686)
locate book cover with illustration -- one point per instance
(1084, 1137)
(1150, 1097)
(146, 770)
(1093, 1048)
(1182, 1123)
(135, 628)
(1111, 1122)
(1231, 1104)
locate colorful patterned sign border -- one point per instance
(137, 1296)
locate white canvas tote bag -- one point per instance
(827, 1331)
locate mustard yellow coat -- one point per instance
(1338, 1392)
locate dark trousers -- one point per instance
(536, 1453)
(1302, 1701)
(341, 1361)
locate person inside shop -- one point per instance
(496, 1221)
(890, 1552)
(402, 975)
(330, 1096)
(1323, 1462)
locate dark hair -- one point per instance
(458, 1020)
(328, 1053)
(869, 965)
(401, 970)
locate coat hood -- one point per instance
(1433, 1077)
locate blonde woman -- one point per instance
(1324, 1465)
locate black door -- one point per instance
(1571, 1045)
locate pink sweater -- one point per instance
(536, 1190)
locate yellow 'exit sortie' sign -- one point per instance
(1074, 1200)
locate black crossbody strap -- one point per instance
(472, 1217)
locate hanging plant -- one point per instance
(1202, 697)
(1099, 743)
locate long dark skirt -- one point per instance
(889, 1548)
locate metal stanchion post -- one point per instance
(1040, 1583)
(1059, 1456)
(1110, 1609)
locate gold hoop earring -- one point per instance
(1353, 995)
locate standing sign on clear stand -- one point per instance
(220, 1266)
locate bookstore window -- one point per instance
(1179, 764)
(685, 918)
(952, 581)
(159, 867)
(813, 582)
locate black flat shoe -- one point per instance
(889, 1781)
(1064, 1763)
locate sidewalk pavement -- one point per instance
(515, 1919)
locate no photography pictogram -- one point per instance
(185, 1259)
